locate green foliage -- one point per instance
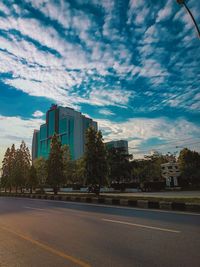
(148, 169)
(68, 165)
(32, 179)
(189, 162)
(55, 166)
(80, 171)
(119, 165)
(6, 172)
(22, 165)
(16, 166)
(40, 165)
(8, 168)
(96, 167)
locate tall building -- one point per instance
(118, 144)
(69, 124)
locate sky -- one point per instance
(131, 65)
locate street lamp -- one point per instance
(182, 2)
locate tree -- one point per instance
(32, 181)
(68, 165)
(40, 165)
(16, 166)
(189, 162)
(80, 171)
(5, 169)
(55, 167)
(95, 159)
(22, 164)
(119, 165)
(8, 168)
(149, 168)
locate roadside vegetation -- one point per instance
(99, 167)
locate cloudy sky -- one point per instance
(132, 65)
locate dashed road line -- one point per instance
(142, 226)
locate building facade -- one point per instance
(171, 172)
(71, 127)
(123, 144)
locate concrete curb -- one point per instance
(147, 204)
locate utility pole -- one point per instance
(182, 2)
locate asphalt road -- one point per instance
(43, 233)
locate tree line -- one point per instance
(99, 166)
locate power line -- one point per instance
(170, 147)
(169, 142)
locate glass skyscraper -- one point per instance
(69, 124)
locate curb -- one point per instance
(146, 204)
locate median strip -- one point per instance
(143, 226)
(163, 204)
(46, 247)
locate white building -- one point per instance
(171, 172)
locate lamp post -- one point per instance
(182, 2)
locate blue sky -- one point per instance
(134, 66)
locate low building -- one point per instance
(123, 144)
(170, 171)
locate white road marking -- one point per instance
(31, 208)
(142, 226)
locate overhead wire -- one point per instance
(167, 148)
(169, 142)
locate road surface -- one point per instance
(48, 233)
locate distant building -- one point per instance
(69, 124)
(171, 172)
(36, 144)
(118, 144)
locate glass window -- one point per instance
(63, 126)
(51, 122)
(43, 132)
(38, 145)
(71, 136)
(43, 151)
(64, 139)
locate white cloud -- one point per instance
(188, 26)
(52, 75)
(47, 75)
(38, 114)
(139, 130)
(106, 112)
(15, 129)
(165, 12)
(187, 101)
(4, 8)
(59, 11)
(106, 97)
